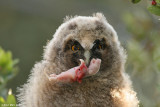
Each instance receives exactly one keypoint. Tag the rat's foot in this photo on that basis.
(52, 77)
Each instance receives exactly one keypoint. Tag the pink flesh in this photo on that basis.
(81, 72)
(94, 67)
(77, 73)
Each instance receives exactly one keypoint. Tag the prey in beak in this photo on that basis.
(77, 73)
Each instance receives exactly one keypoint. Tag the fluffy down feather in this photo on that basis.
(110, 87)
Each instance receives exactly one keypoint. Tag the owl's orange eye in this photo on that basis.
(74, 48)
(100, 47)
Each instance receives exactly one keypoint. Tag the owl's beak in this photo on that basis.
(87, 56)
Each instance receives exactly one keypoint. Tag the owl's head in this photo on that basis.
(85, 38)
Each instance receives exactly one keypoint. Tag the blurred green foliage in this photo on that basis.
(7, 66)
(8, 70)
(25, 26)
(154, 9)
(154, 6)
(135, 1)
(144, 57)
(10, 101)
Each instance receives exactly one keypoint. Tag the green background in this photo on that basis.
(26, 25)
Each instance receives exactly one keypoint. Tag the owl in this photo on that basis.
(82, 66)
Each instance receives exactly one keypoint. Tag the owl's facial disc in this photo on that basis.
(75, 51)
(95, 51)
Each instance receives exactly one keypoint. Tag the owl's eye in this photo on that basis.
(99, 46)
(74, 48)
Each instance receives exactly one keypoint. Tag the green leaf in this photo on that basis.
(154, 10)
(8, 68)
(158, 1)
(135, 1)
(2, 100)
(11, 99)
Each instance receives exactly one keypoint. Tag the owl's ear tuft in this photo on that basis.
(67, 18)
(99, 16)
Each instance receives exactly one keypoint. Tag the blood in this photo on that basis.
(80, 73)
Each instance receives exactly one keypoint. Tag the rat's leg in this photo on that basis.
(94, 67)
(67, 76)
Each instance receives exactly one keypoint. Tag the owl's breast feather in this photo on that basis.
(77, 73)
